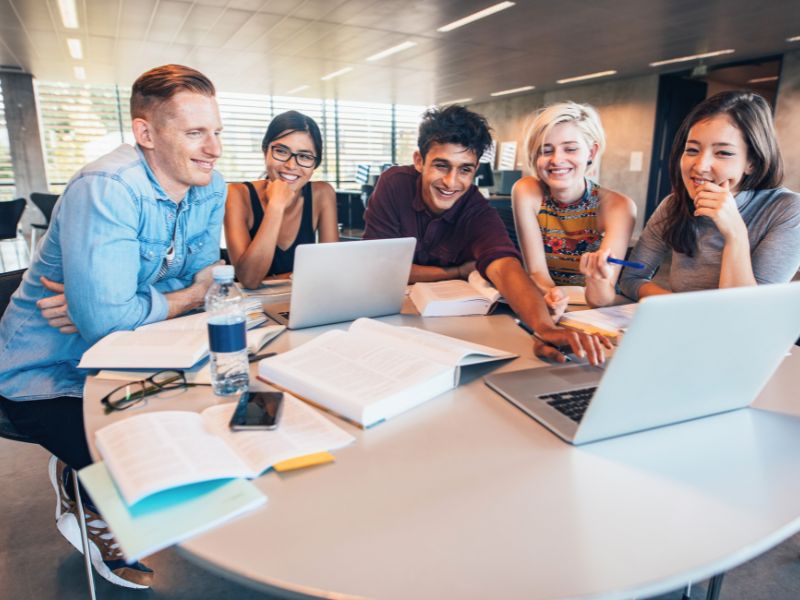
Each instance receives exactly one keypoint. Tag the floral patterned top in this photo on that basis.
(569, 230)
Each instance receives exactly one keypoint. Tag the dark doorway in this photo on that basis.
(677, 96)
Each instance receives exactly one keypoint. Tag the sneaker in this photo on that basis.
(58, 472)
(104, 551)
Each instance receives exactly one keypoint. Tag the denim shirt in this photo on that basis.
(108, 237)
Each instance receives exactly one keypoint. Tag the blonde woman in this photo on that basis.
(568, 226)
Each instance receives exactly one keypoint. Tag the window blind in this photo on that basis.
(7, 188)
(82, 122)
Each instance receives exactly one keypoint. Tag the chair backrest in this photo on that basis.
(9, 282)
(45, 203)
(10, 214)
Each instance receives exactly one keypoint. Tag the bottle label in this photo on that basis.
(227, 337)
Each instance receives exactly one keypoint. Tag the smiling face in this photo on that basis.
(448, 171)
(181, 141)
(297, 142)
(715, 151)
(563, 158)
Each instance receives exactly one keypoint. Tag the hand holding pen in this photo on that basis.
(597, 265)
(554, 342)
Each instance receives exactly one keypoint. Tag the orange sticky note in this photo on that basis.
(299, 462)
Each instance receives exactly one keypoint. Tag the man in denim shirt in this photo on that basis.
(133, 239)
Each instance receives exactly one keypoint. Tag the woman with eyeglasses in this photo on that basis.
(266, 220)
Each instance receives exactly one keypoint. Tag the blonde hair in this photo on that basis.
(585, 118)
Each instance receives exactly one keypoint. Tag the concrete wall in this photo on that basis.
(787, 118)
(627, 108)
(27, 154)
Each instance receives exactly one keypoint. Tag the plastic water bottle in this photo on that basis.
(227, 341)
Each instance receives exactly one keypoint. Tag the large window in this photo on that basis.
(7, 189)
(82, 122)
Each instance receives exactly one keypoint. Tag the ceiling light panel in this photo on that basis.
(336, 73)
(393, 50)
(481, 14)
(69, 13)
(692, 57)
(524, 88)
(75, 48)
(587, 76)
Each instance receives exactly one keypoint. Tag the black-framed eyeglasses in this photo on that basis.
(283, 154)
(133, 392)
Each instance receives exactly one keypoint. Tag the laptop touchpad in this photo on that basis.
(577, 374)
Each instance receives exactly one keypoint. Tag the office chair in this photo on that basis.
(45, 203)
(9, 282)
(10, 214)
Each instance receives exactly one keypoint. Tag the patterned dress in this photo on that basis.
(567, 232)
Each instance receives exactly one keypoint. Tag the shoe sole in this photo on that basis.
(52, 471)
(68, 526)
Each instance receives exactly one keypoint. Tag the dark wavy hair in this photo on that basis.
(752, 115)
(454, 124)
(290, 122)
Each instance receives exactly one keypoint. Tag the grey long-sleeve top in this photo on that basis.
(773, 226)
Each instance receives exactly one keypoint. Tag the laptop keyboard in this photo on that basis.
(572, 404)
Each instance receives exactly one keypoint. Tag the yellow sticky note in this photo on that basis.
(309, 460)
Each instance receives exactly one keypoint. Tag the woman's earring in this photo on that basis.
(589, 163)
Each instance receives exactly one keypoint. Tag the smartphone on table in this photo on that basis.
(257, 410)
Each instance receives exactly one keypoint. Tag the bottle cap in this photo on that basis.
(222, 273)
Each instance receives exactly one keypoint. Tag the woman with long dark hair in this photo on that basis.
(265, 220)
(728, 221)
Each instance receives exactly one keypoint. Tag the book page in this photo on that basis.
(609, 319)
(193, 322)
(483, 287)
(147, 349)
(441, 348)
(301, 431)
(159, 450)
(362, 368)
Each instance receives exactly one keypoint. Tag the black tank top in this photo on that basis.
(283, 260)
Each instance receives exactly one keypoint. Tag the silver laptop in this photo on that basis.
(346, 280)
(684, 356)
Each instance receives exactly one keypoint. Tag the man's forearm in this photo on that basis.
(185, 300)
(428, 273)
(522, 295)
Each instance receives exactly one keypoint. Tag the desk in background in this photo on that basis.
(467, 497)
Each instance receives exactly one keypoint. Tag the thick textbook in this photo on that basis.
(156, 451)
(453, 298)
(170, 516)
(374, 371)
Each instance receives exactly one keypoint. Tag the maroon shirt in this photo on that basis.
(469, 230)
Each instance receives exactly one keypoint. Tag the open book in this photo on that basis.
(155, 451)
(374, 371)
(171, 344)
(576, 294)
(611, 321)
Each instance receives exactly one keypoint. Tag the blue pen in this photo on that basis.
(626, 263)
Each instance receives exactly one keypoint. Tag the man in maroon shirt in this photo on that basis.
(457, 230)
